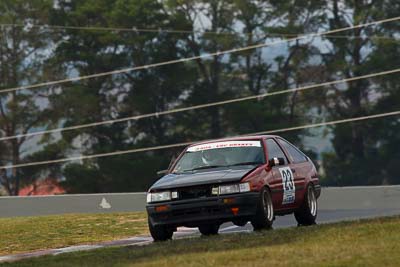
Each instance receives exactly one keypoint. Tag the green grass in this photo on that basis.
(26, 234)
(361, 243)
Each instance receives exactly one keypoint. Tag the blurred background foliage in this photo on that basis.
(361, 153)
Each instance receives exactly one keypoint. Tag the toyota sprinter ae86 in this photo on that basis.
(238, 180)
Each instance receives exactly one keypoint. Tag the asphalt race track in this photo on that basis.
(332, 198)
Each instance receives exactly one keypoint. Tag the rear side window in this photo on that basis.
(295, 155)
(274, 151)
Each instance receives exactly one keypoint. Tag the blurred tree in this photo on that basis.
(153, 90)
(359, 148)
(212, 23)
(22, 57)
(265, 70)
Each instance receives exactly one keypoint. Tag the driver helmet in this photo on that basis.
(207, 157)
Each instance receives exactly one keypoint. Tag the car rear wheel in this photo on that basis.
(160, 232)
(265, 212)
(209, 229)
(307, 214)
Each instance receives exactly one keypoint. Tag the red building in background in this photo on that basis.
(42, 187)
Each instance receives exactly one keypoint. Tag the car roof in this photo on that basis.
(247, 137)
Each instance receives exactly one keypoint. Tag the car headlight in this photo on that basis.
(231, 189)
(161, 196)
(158, 196)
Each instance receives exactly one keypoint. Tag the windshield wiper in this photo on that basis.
(206, 167)
(247, 163)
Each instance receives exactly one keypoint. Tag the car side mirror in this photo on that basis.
(161, 173)
(276, 162)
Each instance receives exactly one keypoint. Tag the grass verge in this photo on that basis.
(25, 234)
(374, 242)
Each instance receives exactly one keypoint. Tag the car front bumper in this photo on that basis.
(195, 212)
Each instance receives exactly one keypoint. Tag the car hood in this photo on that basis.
(211, 176)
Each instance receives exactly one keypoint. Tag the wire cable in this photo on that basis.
(207, 105)
(175, 61)
(116, 29)
(130, 151)
(175, 31)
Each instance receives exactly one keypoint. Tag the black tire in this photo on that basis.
(209, 229)
(307, 213)
(160, 232)
(265, 212)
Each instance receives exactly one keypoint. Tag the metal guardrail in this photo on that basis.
(332, 198)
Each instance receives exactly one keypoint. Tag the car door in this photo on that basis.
(298, 165)
(277, 184)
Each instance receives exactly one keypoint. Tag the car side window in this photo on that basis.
(274, 151)
(295, 155)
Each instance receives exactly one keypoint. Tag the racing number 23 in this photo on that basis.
(287, 177)
(289, 191)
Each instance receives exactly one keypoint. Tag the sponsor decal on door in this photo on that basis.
(289, 190)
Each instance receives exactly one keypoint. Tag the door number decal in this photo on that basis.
(289, 190)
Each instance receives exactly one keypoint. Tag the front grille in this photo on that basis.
(197, 211)
(194, 192)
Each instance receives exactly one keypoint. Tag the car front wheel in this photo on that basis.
(307, 213)
(265, 211)
(160, 232)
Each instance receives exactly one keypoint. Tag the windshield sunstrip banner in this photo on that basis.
(224, 144)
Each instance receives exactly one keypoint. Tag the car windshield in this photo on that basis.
(220, 154)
